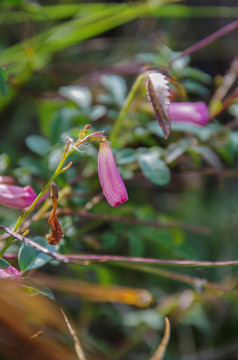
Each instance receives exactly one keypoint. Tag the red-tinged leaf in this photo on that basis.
(158, 92)
(168, 77)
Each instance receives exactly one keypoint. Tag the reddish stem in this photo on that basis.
(189, 263)
(206, 41)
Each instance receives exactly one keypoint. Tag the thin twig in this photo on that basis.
(159, 354)
(156, 224)
(37, 246)
(230, 99)
(197, 283)
(206, 41)
(88, 259)
(226, 84)
(180, 263)
(77, 345)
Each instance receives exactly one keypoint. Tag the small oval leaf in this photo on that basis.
(154, 168)
(4, 264)
(28, 258)
(38, 144)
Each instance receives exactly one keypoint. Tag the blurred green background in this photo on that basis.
(50, 49)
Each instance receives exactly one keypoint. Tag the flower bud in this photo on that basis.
(112, 184)
(196, 113)
(10, 273)
(16, 197)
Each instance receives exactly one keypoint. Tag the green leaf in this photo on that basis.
(38, 144)
(4, 264)
(202, 132)
(34, 287)
(22, 175)
(208, 155)
(154, 128)
(29, 163)
(233, 109)
(3, 79)
(136, 245)
(197, 74)
(194, 87)
(4, 162)
(154, 168)
(166, 238)
(109, 240)
(29, 258)
(61, 122)
(80, 95)
(72, 32)
(116, 86)
(97, 112)
(125, 156)
(175, 150)
(183, 11)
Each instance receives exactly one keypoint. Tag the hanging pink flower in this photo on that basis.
(112, 184)
(16, 197)
(10, 273)
(196, 113)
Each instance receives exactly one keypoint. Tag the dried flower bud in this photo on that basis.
(112, 184)
(56, 229)
(57, 233)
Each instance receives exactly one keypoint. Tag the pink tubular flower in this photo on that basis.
(112, 184)
(16, 197)
(10, 273)
(196, 113)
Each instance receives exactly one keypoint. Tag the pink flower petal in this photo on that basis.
(10, 273)
(112, 184)
(16, 197)
(196, 113)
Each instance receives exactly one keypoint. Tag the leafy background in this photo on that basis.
(72, 63)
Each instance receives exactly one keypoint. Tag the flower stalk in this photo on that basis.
(124, 110)
(59, 170)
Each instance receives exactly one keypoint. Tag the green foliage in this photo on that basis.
(65, 65)
(38, 144)
(4, 264)
(3, 79)
(35, 287)
(153, 167)
(29, 258)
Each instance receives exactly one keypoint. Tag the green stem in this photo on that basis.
(24, 214)
(124, 111)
